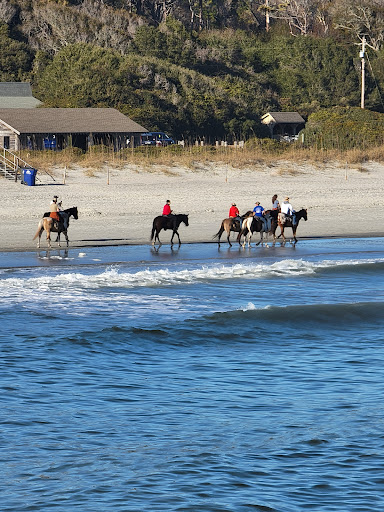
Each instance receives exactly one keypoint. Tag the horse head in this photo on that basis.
(304, 214)
(184, 218)
(73, 211)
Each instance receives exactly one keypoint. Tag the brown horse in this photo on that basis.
(254, 225)
(302, 214)
(50, 225)
(168, 222)
(228, 225)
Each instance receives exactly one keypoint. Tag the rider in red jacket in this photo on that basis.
(167, 208)
(234, 211)
(235, 214)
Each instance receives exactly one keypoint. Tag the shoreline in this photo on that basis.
(224, 243)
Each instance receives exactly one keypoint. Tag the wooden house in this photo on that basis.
(58, 128)
(283, 125)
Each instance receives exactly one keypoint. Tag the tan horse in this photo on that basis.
(49, 225)
(302, 214)
(228, 225)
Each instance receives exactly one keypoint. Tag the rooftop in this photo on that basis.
(68, 120)
(15, 89)
(284, 117)
(17, 95)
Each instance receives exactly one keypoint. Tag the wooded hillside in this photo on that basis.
(195, 68)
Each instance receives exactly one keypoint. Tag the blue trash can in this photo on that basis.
(30, 176)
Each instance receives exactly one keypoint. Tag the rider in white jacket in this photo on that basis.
(287, 208)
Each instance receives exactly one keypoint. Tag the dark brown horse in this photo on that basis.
(255, 225)
(231, 224)
(302, 214)
(51, 225)
(168, 222)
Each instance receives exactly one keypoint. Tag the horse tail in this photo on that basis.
(153, 230)
(220, 232)
(38, 229)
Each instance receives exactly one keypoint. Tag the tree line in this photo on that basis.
(195, 68)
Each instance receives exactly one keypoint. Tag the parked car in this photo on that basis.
(156, 139)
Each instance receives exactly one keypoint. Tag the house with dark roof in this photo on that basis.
(58, 128)
(283, 125)
(17, 95)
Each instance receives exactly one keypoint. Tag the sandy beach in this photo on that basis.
(117, 205)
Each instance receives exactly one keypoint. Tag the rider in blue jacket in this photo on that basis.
(258, 212)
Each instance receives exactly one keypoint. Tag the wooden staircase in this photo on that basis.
(12, 166)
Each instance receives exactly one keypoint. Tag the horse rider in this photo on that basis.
(287, 209)
(167, 209)
(259, 213)
(54, 209)
(235, 214)
(275, 207)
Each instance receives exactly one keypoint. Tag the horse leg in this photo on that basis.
(157, 236)
(49, 237)
(245, 238)
(39, 239)
(228, 235)
(221, 231)
(66, 237)
(294, 234)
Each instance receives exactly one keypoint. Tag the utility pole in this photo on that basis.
(362, 57)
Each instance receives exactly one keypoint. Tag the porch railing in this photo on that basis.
(12, 166)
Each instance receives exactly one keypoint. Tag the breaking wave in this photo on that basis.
(115, 277)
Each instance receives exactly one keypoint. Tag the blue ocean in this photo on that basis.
(193, 379)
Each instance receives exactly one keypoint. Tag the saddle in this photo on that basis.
(260, 223)
(283, 217)
(235, 224)
(169, 222)
(58, 225)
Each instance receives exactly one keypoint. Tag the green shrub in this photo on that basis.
(344, 128)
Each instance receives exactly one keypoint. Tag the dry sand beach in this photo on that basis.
(341, 200)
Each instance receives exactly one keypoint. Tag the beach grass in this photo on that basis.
(193, 157)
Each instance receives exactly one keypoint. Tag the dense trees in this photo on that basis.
(344, 128)
(15, 57)
(156, 93)
(201, 68)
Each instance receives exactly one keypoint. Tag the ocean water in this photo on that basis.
(195, 379)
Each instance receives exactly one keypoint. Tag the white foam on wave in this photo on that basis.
(249, 307)
(252, 307)
(113, 277)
